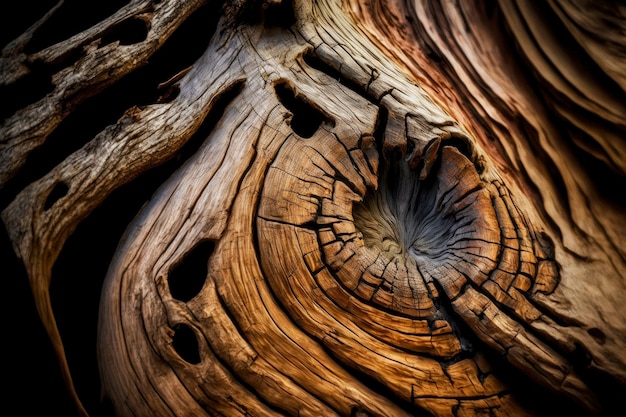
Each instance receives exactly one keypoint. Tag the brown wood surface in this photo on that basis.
(364, 208)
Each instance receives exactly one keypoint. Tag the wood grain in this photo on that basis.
(399, 211)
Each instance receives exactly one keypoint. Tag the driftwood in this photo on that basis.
(369, 208)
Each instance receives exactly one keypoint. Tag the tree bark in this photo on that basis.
(368, 208)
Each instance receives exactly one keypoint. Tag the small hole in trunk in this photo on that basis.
(307, 118)
(186, 279)
(185, 344)
(58, 192)
(128, 32)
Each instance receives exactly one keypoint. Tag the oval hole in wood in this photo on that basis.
(128, 32)
(186, 278)
(598, 335)
(185, 344)
(58, 192)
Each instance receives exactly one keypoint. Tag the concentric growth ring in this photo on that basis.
(401, 261)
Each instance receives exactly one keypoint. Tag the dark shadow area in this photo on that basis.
(79, 272)
(280, 14)
(34, 386)
(23, 15)
(27, 90)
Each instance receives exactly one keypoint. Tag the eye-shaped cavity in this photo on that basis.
(185, 344)
(128, 32)
(58, 192)
(186, 278)
(306, 117)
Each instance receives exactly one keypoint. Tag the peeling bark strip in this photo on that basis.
(380, 222)
(97, 65)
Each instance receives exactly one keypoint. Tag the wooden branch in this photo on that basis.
(95, 67)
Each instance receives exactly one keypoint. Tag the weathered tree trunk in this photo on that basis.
(368, 208)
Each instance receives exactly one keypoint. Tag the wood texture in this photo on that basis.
(394, 208)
